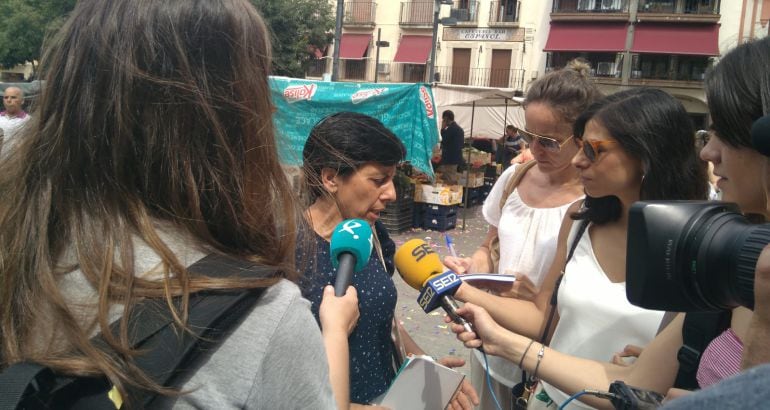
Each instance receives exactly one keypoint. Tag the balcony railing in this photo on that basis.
(466, 12)
(416, 13)
(590, 6)
(316, 68)
(483, 77)
(504, 12)
(360, 13)
(679, 6)
(646, 69)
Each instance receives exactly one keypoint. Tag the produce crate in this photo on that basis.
(397, 216)
(440, 223)
(418, 215)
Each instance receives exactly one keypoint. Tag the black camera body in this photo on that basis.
(688, 256)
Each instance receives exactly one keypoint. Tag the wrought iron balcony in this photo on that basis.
(466, 12)
(416, 13)
(704, 7)
(483, 77)
(505, 12)
(360, 13)
(590, 6)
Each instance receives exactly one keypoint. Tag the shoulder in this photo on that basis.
(744, 391)
(276, 341)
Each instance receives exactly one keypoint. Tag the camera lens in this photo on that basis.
(692, 256)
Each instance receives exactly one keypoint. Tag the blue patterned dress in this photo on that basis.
(371, 348)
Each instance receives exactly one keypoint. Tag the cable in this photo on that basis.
(573, 397)
(489, 382)
(597, 393)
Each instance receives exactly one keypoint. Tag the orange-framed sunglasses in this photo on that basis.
(548, 143)
(591, 148)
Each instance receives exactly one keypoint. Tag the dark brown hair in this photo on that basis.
(155, 113)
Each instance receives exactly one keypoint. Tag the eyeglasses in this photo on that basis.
(702, 138)
(548, 143)
(591, 148)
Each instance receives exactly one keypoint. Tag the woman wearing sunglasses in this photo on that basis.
(633, 145)
(526, 219)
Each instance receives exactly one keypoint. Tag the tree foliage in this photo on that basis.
(297, 26)
(25, 25)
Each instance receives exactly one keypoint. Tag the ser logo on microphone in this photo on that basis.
(426, 296)
(422, 251)
(444, 281)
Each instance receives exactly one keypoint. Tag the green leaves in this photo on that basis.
(25, 25)
(297, 28)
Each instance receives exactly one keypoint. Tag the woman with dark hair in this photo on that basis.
(153, 147)
(524, 217)
(634, 145)
(349, 163)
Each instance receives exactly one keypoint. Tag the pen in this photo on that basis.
(450, 245)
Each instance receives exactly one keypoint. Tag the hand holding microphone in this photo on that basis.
(421, 268)
(351, 247)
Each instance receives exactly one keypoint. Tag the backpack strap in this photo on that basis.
(698, 330)
(168, 351)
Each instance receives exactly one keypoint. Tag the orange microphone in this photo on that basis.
(420, 267)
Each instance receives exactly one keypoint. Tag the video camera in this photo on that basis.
(688, 256)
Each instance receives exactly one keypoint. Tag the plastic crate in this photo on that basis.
(440, 223)
(418, 213)
(439, 210)
(396, 227)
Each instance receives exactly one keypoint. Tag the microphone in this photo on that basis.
(420, 267)
(351, 246)
(760, 135)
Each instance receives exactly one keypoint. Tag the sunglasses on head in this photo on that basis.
(548, 143)
(591, 148)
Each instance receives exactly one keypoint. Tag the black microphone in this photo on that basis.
(351, 247)
(760, 135)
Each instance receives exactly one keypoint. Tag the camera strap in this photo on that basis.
(698, 330)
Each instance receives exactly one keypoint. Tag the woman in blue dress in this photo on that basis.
(350, 160)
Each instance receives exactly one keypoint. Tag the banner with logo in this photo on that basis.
(406, 109)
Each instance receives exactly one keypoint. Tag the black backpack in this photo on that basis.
(171, 353)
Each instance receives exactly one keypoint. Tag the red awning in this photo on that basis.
(353, 46)
(413, 49)
(597, 37)
(688, 39)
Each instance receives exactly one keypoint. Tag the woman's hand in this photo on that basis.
(458, 264)
(487, 332)
(466, 397)
(522, 288)
(339, 313)
(628, 356)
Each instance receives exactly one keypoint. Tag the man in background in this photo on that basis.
(509, 146)
(12, 118)
(452, 138)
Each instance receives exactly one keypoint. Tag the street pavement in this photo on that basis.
(429, 330)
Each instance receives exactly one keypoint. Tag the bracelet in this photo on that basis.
(523, 355)
(540, 355)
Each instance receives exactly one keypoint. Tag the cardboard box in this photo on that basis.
(439, 194)
(476, 179)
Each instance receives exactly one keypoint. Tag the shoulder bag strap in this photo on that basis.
(554, 297)
(510, 186)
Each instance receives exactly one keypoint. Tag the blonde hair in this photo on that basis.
(569, 91)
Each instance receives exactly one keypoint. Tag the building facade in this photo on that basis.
(667, 44)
